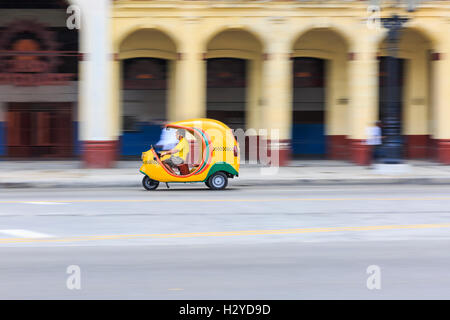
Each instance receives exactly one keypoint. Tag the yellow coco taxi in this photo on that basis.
(213, 156)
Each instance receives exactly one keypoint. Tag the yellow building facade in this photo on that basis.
(306, 76)
(269, 35)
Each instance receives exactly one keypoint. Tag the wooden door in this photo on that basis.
(39, 130)
(18, 133)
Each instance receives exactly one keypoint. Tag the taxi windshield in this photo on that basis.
(168, 139)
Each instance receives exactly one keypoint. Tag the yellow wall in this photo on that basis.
(268, 34)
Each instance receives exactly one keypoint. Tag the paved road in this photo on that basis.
(243, 243)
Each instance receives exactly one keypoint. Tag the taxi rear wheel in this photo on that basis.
(149, 184)
(218, 181)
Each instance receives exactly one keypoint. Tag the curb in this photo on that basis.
(236, 183)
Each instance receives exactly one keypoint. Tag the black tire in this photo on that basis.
(149, 184)
(218, 181)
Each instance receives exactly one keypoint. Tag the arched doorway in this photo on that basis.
(233, 78)
(412, 90)
(226, 91)
(147, 70)
(308, 135)
(320, 95)
(38, 81)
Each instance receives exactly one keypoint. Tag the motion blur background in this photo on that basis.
(312, 69)
(88, 83)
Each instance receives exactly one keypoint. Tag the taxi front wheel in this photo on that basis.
(217, 181)
(149, 184)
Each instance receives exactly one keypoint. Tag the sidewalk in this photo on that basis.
(69, 174)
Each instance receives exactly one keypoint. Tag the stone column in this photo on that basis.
(415, 106)
(253, 92)
(363, 88)
(190, 75)
(441, 101)
(96, 113)
(337, 109)
(277, 98)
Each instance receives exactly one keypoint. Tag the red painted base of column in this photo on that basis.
(283, 147)
(285, 154)
(417, 146)
(338, 147)
(443, 150)
(360, 152)
(432, 150)
(100, 154)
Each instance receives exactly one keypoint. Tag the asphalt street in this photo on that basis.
(188, 242)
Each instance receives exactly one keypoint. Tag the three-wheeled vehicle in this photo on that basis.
(212, 159)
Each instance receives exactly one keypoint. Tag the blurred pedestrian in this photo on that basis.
(374, 140)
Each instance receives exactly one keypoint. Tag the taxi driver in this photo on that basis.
(179, 153)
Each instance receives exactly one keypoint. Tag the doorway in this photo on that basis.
(226, 91)
(397, 91)
(308, 129)
(39, 130)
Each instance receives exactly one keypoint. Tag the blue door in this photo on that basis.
(144, 103)
(134, 143)
(308, 129)
(308, 139)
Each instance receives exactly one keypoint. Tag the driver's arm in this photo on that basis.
(174, 150)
